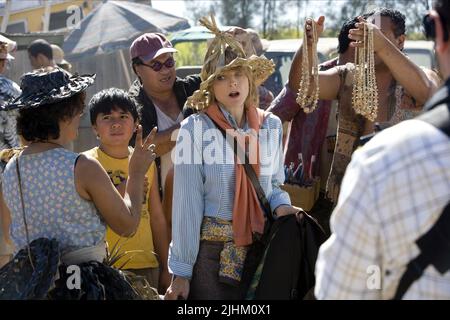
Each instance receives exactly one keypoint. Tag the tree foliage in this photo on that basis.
(413, 10)
(196, 9)
(269, 17)
(239, 12)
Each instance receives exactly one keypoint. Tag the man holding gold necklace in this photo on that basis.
(401, 86)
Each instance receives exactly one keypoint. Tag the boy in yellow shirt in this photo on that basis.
(114, 119)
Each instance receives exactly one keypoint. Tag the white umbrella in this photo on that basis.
(114, 25)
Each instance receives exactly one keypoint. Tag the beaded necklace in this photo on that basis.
(309, 102)
(365, 91)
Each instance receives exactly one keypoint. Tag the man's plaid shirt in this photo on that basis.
(394, 190)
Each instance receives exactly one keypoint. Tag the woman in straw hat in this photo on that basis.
(59, 202)
(216, 213)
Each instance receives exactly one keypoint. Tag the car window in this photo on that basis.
(283, 61)
(421, 57)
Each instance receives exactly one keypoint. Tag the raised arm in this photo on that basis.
(415, 80)
(328, 80)
(93, 183)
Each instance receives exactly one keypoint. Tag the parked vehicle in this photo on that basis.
(282, 52)
(421, 52)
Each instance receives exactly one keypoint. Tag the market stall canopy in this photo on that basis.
(114, 25)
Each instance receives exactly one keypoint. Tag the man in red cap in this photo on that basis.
(160, 94)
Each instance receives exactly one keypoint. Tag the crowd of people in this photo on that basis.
(188, 171)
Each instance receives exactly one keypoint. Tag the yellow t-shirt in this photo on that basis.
(117, 170)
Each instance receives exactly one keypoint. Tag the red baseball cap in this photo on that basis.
(149, 46)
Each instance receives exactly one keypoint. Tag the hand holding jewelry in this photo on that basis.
(310, 38)
(365, 91)
(357, 34)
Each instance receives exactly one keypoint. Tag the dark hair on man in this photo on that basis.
(40, 124)
(344, 40)
(40, 46)
(107, 100)
(443, 8)
(135, 62)
(397, 19)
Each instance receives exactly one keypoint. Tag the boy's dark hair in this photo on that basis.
(40, 46)
(109, 99)
(40, 124)
(397, 19)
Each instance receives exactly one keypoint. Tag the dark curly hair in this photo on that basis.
(42, 123)
(397, 19)
(109, 99)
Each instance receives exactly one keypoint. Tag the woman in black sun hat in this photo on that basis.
(59, 202)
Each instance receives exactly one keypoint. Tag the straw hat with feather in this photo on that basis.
(223, 48)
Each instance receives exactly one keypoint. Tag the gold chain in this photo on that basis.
(309, 102)
(365, 91)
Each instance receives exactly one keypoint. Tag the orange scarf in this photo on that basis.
(248, 217)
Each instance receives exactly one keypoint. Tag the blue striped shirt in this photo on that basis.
(204, 183)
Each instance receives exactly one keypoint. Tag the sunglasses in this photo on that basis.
(430, 27)
(157, 66)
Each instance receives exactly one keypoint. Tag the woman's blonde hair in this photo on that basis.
(252, 97)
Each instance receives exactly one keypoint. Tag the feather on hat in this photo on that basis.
(215, 63)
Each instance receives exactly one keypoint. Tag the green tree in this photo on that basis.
(239, 12)
(413, 10)
(272, 16)
(196, 9)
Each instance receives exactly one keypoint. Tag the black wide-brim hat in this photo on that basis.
(47, 86)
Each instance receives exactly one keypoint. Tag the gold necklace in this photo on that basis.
(365, 91)
(309, 102)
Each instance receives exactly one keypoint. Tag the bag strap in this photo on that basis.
(438, 111)
(23, 210)
(251, 174)
(435, 244)
(434, 247)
